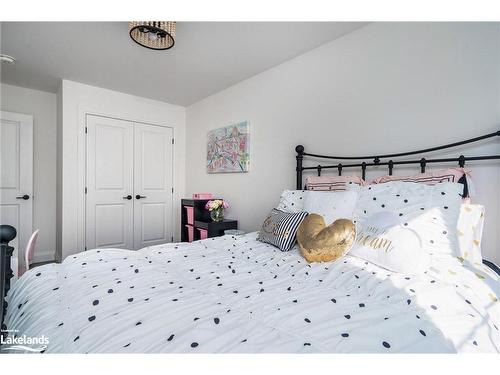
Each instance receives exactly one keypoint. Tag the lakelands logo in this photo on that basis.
(23, 343)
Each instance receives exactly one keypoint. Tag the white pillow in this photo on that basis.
(331, 205)
(383, 240)
(470, 232)
(291, 201)
(432, 211)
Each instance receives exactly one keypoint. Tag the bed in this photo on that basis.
(235, 294)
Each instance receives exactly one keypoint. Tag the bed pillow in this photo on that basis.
(383, 239)
(458, 175)
(280, 228)
(291, 201)
(320, 243)
(332, 183)
(331, 206)
(470, 232)
(431, 211)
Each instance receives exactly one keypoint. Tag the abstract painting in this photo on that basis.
(228, 149)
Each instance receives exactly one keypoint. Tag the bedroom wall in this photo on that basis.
(59, 148)
(385, 87)
(78, 98)
(42, 106)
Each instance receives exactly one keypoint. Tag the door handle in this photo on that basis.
(25, 197)
(128, 197)
(140, 196)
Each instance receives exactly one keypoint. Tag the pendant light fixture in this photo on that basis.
(159, 35)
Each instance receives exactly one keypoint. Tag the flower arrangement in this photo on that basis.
(216, 208)
(216, 204)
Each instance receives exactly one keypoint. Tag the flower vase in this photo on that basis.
(217, 215)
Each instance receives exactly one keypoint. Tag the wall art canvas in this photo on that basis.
(228, 149)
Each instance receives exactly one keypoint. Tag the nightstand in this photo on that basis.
(196, 223)
(216, 229)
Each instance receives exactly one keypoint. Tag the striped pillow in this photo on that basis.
(280, 228)
(332, 183)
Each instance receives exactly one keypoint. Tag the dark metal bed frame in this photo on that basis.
(379, 160)
(7, 234)
(390, 160)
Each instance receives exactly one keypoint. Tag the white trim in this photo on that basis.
(26, 181)
(79, 99)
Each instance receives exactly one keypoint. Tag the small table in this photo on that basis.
(216, 229)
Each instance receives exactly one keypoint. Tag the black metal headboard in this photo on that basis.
(389, 160)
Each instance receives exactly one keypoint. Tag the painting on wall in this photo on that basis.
(228, 149)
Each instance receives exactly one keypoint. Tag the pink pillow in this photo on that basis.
(332, 183)
(457, 175)
(428, 178)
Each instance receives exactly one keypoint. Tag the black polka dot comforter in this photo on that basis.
(235, 294)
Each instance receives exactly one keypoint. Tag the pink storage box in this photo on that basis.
(190, 214)
(203, 195)
(203, 233)
(190, 232)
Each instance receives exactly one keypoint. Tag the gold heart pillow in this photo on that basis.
(321, 243)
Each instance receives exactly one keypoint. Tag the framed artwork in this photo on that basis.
(228, 149)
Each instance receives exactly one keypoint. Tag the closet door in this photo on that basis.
(153, 183)
(110, 183)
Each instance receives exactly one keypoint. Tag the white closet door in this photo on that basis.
(16, 178)
(153, 185)
(110, 183)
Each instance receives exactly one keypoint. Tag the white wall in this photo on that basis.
(386, 87)
(42, 106)
(59, 150)
(78, 99)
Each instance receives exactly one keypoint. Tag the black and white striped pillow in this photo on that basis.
(280, 228)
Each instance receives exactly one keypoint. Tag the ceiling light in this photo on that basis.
(153, 34)
(7, 59)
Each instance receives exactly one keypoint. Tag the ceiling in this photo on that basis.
(207, 57)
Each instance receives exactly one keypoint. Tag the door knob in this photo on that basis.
(140, 196)
(25, 197)
(128, 197)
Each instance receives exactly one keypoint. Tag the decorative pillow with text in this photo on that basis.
(382, 239)
(280, 228)
(431, 211)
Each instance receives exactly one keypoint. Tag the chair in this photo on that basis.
(29, 252)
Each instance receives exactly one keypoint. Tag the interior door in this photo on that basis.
(110, 183)
(16, 178)
(153, 185)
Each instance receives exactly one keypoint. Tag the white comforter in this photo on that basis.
(239, 295)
